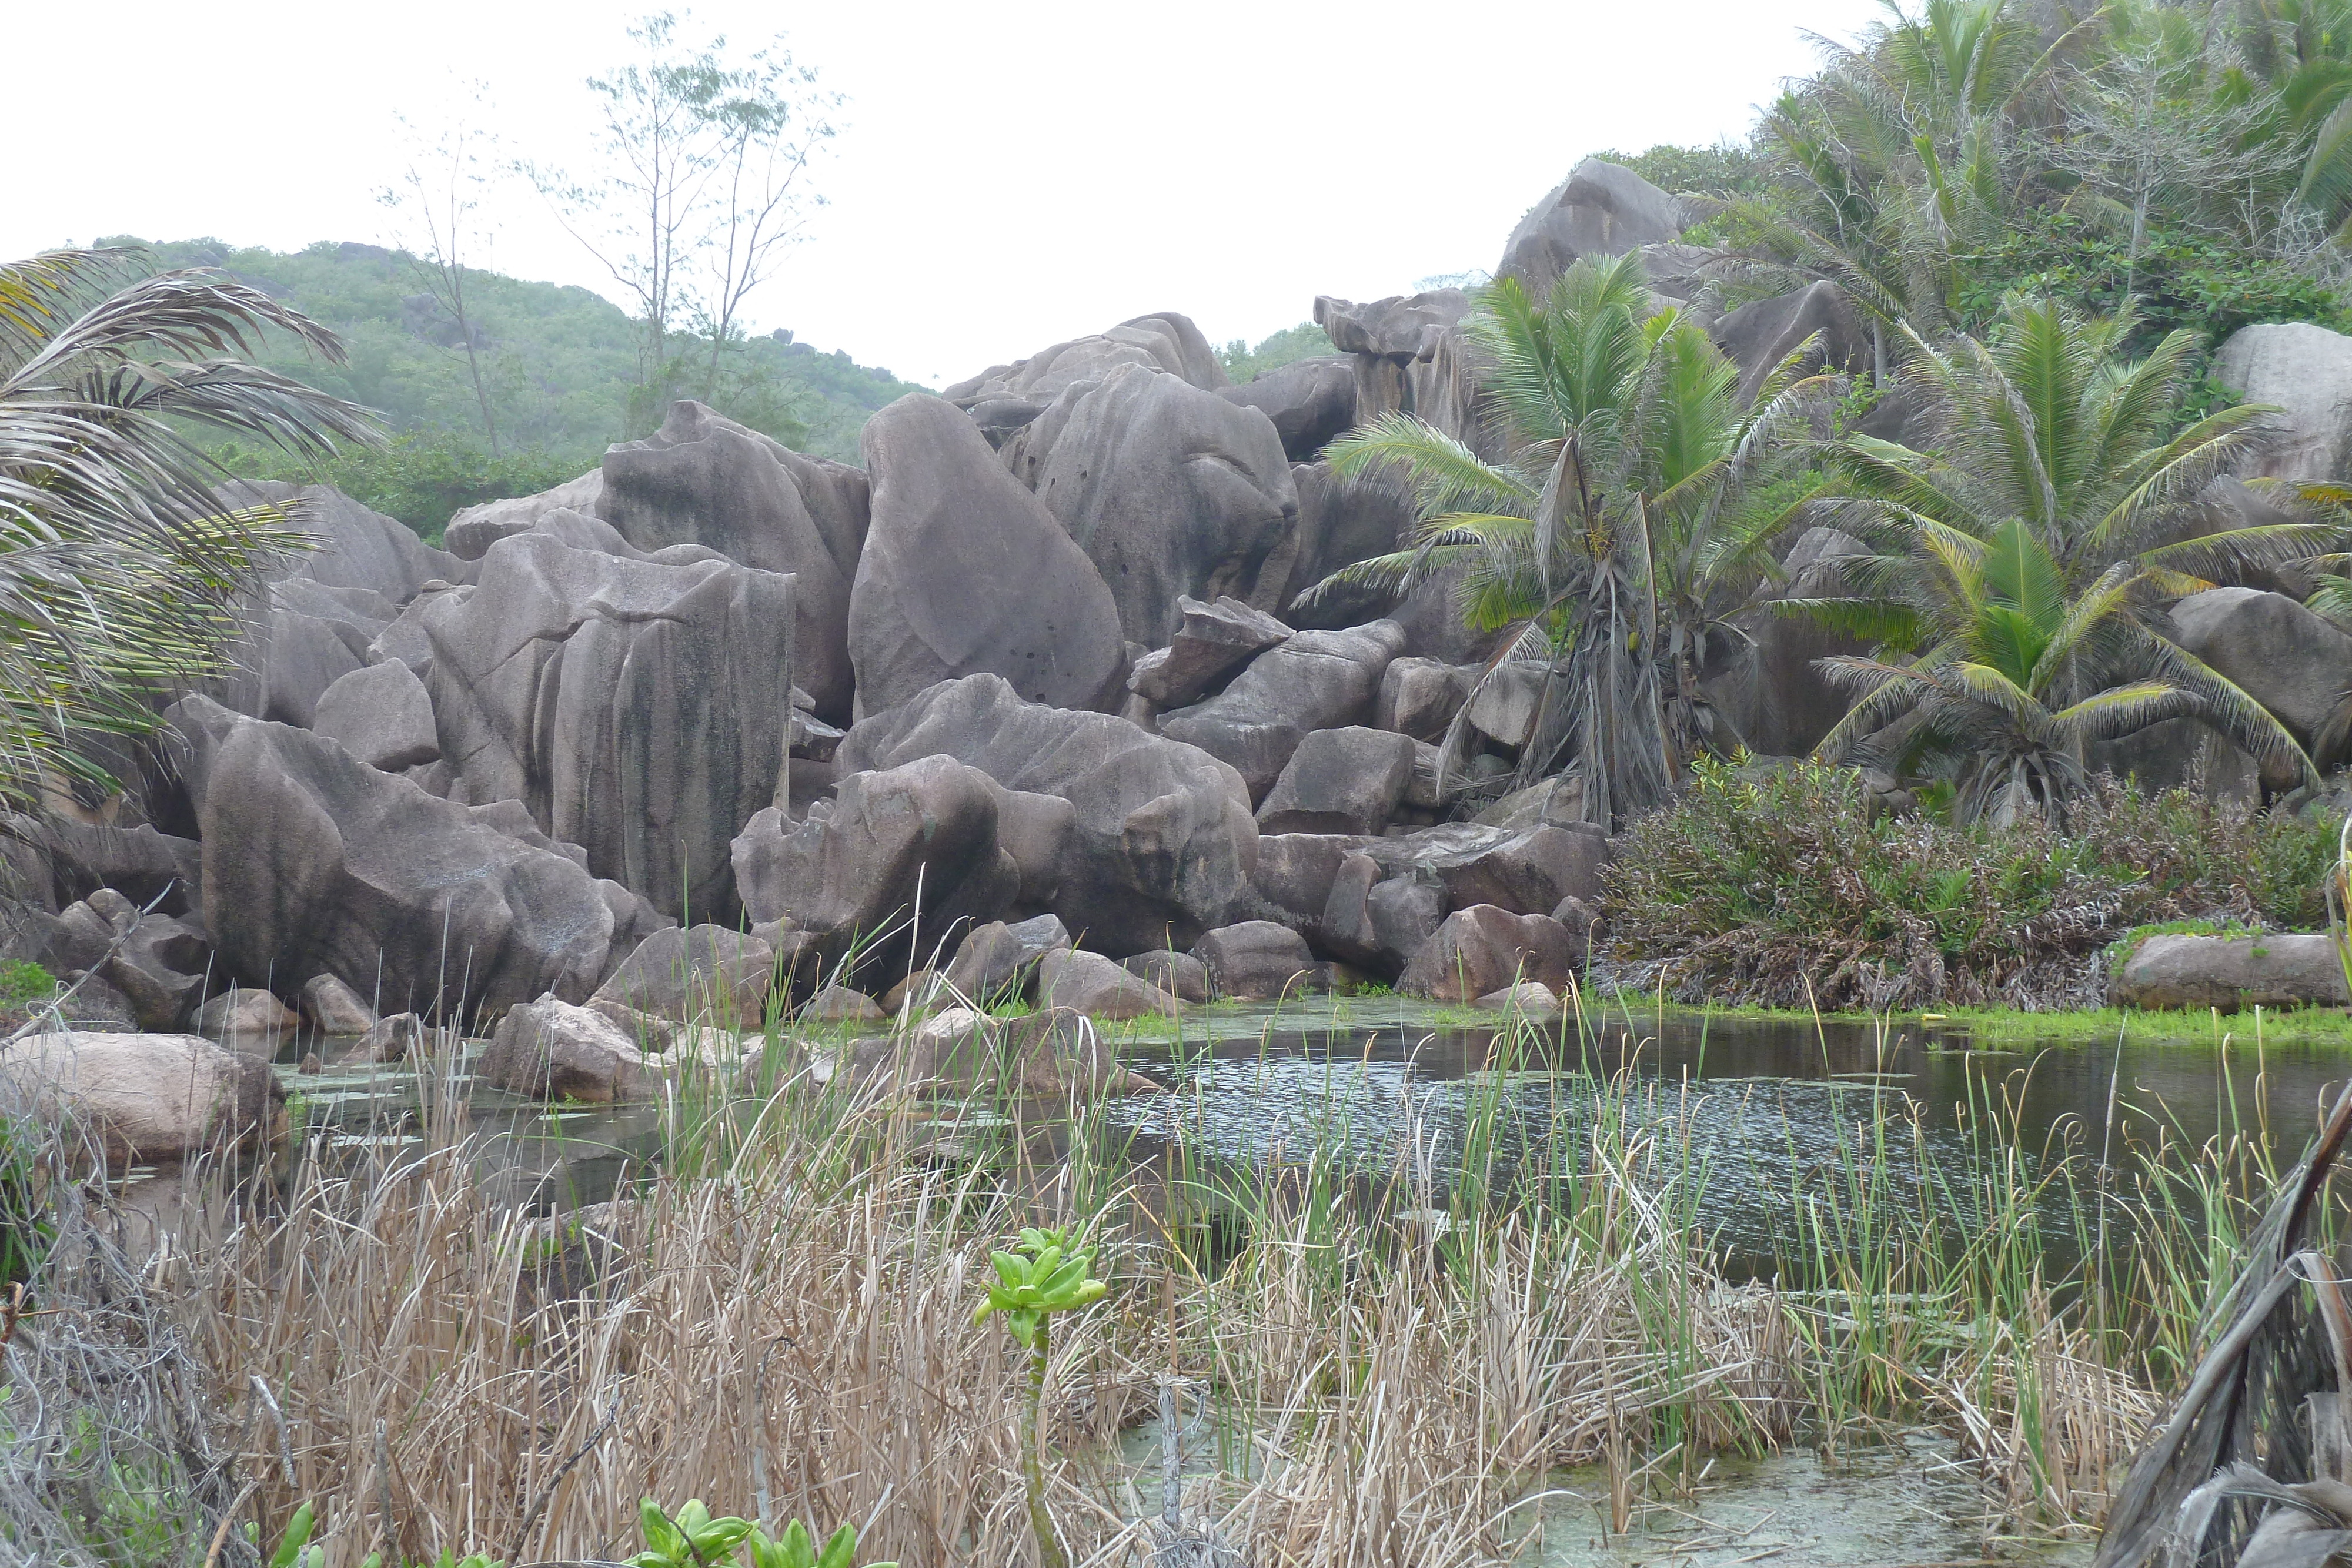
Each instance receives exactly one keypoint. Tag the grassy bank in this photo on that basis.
(1396, 1357)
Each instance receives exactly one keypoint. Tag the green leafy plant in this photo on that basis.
(1046, 1272)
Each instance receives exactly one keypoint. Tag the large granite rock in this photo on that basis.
(1316, 680)
(704, 479)
(1167, 341)
(1212, 641)
(1310, 401)
(1169, 490)
(965, 573)
(2284, 656)
(315, 862)
(1818, 319)
(1345, 781)
(853, 872)
(1160, 841)
(2230, 973)
(2307, 371)
(474, 530)
(1481, 950)
(382, 716)
(708, 974)
(1600, 210)
(551, 1050)
(638, 707)
(145, 1099)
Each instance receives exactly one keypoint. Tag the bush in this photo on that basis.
(1749, 886)
(421, 478)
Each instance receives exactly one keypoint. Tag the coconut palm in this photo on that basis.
(2022, 560)
(1623, 526)
(119, 569)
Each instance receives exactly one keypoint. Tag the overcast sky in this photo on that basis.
(1006, 176)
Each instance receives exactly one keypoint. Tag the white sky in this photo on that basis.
(1007, 175)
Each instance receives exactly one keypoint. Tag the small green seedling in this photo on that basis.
(692, 1540)
(1049, 1273)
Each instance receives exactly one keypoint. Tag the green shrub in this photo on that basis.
(1749, 886)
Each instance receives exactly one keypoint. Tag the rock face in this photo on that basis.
(710, 972)
(550, 1049)
(1347, 781)
(381, 715)
(704, 479)
(1760, 336)
(1600, 209)
(146, 1098)
(965, 573)
(1091, 983)
(1316, 680)
(1256, 960)
(638, 708)
(2230, 973)
(1167, 341)
(2281, 654)
(315, 862)
(853, 872)
(1212, 641)
(2307, 370)
(1169, 489)
(474, 530)
(1482, 949)
(1310, 401)
(1160, 841)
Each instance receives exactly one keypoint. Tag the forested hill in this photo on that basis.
(559, 362)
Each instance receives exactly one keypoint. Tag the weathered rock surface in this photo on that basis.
(1211, 642)
(474, 530)
(704, 479)
(1482, 949)
(854, 870)
(1160, 839)
(1316, 680)
(709, 973)
(335, 1008)
(2307, 371)
(1091, 983)
(239, 1012)
(1818, 319)
(1180, 975)
(315, 862)
(1345, 781)
(2284, 656)
(638, 708)
(1169, 490)
(2230, 973)
(551, 1050)
(1310, 401)
(147, 1099)
(1167, 341)
(1256, 960)
(965, 571)
(382, 715)
(1600, 210)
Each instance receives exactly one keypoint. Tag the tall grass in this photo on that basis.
(1400, 1355)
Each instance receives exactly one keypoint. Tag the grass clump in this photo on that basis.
(1746, 888)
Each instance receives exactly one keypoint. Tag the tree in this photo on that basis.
(119, 569)
(2024, 560)
(1614, 541)
(703, 185)
(438, 195)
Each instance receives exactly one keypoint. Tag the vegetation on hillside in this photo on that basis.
(558, 363)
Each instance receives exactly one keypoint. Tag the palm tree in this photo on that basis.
(2023, 562)
(119, 569)
(1626, 524)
